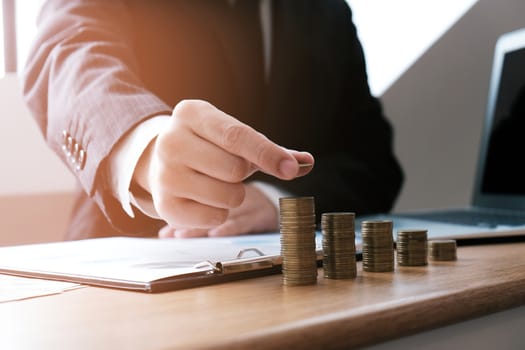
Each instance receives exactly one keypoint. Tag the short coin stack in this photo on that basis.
(411, 247)
(442, 250)
(378, 245)
(297, 226)
(338, 245)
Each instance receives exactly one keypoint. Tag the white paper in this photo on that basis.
(134, 263)
(132, 259)
(17, 288)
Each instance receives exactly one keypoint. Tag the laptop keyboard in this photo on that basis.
(471, 217)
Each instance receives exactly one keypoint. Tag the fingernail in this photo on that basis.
(288, 168)
(305, 165)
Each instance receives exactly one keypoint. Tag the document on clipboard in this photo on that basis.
(148, 264)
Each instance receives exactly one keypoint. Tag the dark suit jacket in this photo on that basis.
(100, 67)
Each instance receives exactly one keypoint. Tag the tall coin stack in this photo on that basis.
(297, 226)
(442, 250)
(411, 247)
(338, 245)
(378, 245)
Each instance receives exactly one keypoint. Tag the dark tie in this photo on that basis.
(249, 58)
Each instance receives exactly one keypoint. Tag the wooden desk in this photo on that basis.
(261, 313)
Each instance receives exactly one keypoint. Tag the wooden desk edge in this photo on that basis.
(351, 329)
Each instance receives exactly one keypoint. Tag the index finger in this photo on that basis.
(240, 139)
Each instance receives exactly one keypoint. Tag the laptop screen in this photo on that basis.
(500, 181)
(504, 171)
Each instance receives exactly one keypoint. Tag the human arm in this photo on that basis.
(83, 78)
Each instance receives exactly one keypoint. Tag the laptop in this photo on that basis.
(498, 202)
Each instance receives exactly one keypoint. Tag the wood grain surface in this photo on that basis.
(260, 313)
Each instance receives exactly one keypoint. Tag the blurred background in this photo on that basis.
(428, 61)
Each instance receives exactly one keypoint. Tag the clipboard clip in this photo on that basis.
(243, 252)
(242, 263)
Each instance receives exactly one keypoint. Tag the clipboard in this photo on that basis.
(148, 264)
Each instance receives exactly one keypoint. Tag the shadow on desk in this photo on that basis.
(34, 218)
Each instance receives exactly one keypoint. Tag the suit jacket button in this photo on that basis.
(81, 161)
(65, 135)
(69, 145)
(76, 150)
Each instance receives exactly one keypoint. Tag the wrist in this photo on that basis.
(142, 170)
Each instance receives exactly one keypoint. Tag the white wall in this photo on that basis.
(438, 105)
(394, 34)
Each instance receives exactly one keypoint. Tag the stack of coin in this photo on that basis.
(298, 250)
(338, 245)
(442, 250)
(378, 245)
(411, 247)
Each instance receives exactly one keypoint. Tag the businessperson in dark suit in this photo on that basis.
(191, 118)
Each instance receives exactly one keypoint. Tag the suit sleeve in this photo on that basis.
(81, 82)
